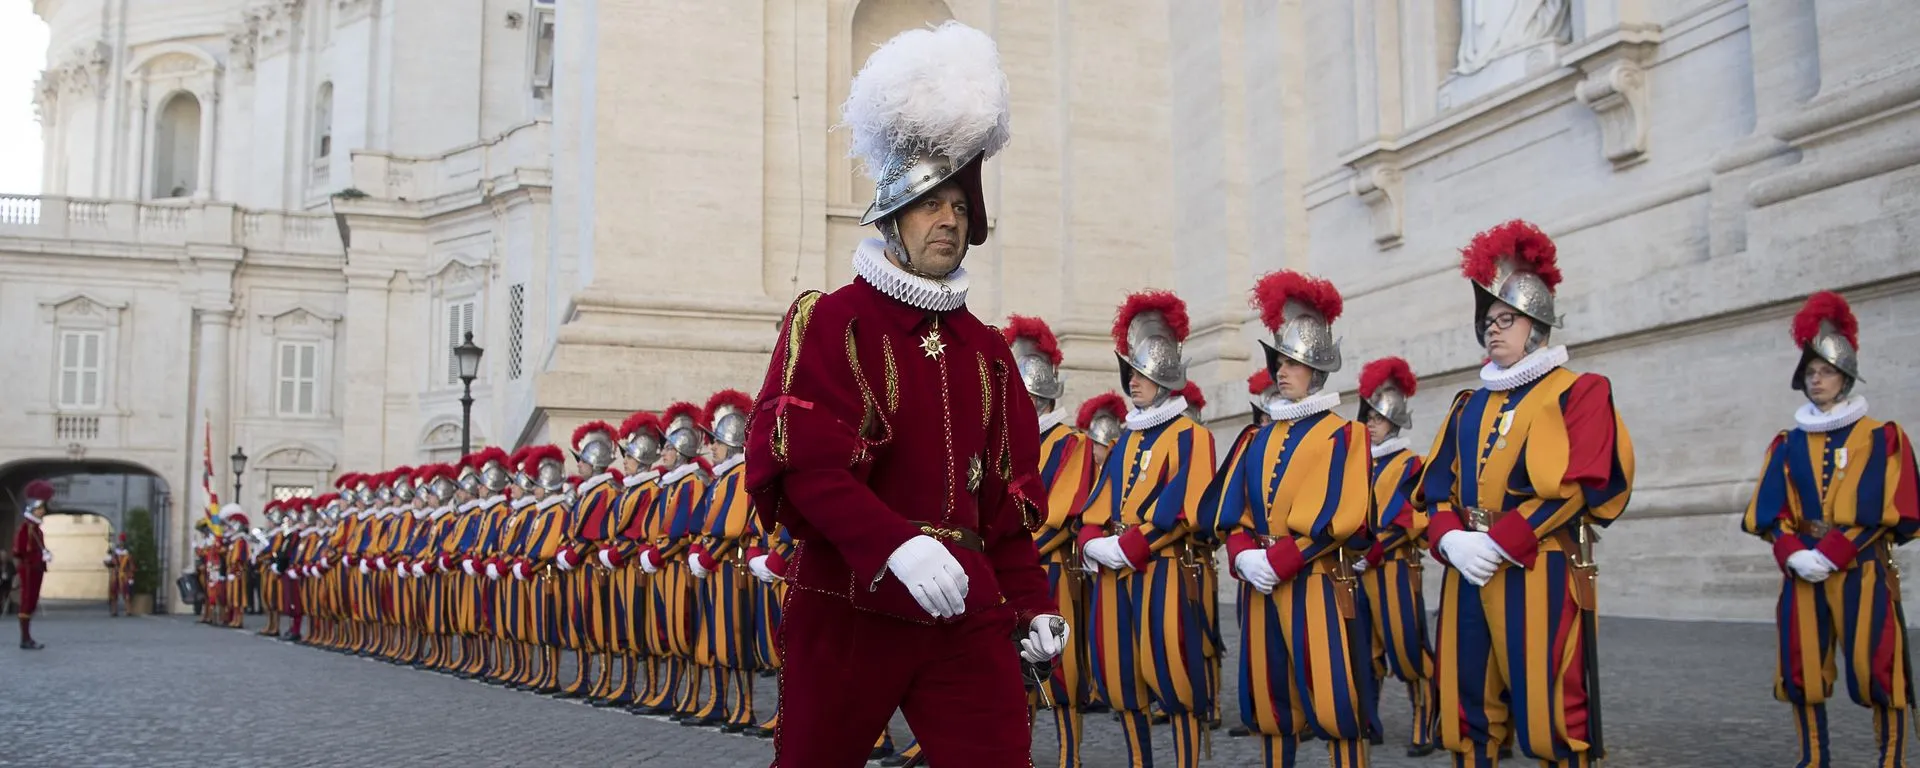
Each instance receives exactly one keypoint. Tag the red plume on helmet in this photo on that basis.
(679, 409)
(491, 453)
(530, 461)
(1272, 293)
(346, 480)
(430, 472)
(726, 397)
(1195, 398)
(1828, 306)
(1168, 305)
(1019, 326)
(1259, 382)
(40, 490)
(1384, 370)
(399, 473)
(638, 421)
(518, 459)
(1102, 402)
(590, 428)
(1517, 240)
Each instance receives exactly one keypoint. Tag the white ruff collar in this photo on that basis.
(594, 481)
(35, 519)
(679, 473)
(549, 501)
(871, 263)
(1390, 446)
(1155, 415)
(1052, 419)
(363, 514)
(730, 462)
(1536, 364)
(421, 513)
(441, 511)
(521, 503)
(1812, 419)
(494, 499)
(467, 505)
(636, 479)
(1282, 409)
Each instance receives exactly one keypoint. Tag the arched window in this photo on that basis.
(323, 122)
(176, 147)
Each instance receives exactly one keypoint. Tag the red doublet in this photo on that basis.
(876, 418)
(29, 554)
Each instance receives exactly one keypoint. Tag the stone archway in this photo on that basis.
(92, 501)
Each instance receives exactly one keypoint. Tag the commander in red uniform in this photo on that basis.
(31, 553)
(894, 440)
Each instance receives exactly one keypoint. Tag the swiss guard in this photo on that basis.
(1524, 468)
(1299, 490)
(1390, 572)
(1066, 471)
(1101, 418)
(1836, 494)
(899, 450)
(717, 559)
(589, 589)
(31, 557)
(1147, 620)
(641, 438)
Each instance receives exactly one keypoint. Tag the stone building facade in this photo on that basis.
(620, 198)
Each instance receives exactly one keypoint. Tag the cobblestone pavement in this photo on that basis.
(168, 692)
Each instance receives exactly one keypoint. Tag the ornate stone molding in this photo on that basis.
(80, 308)
(82, 72)
(1378, 184)
(276, 21)
(297, 320)
(242, 44)
(1615, 86)
(352, 10)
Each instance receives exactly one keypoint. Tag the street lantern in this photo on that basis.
(239, 459)
(467, 354)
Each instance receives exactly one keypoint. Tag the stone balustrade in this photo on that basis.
(80, 222)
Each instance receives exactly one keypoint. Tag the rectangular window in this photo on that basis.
(81, 364)
(516, 327)
(459, 324)
(542, 54)
(284, 492)
(299, 378)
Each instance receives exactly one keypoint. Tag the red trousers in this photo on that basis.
(847, 670)
(290, 596)
(30, 592)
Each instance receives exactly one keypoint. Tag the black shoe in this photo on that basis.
(1376, 739)
(1096, 708)
(29, 645)
(1506, 753)
(759, 732)
(1239, 731)
(1421, 750)
(735, 727)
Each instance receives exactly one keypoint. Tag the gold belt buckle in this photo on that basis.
(1818, 528)
(1479, 519)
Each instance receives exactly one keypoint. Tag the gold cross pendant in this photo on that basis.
(932, 345)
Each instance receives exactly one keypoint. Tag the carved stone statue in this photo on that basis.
(1491, 29)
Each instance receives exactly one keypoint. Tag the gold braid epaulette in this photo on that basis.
(797, 317)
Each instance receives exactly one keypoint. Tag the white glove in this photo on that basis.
(565, 560)
(46, 556)
(1045, 639)
(699, 571)
(364, 568)
(932, 576)
(274, 566)
(323, 561)
(420, 570)
(1473, 553)
(1360, 565)
(493, 571)
(293, 574)
(606, 558)
(1256, 571)
(1810, 565)
(520, 571)
(467, 565)
(758, 564)
(1107, 553)
(647, 564)
(380, 562)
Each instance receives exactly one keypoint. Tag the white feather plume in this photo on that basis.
(938, 89)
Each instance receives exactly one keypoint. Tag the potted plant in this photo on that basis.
(146, 559)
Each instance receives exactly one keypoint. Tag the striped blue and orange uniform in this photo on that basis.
(548, 531)
(1300, 492)
(777, 545)
(1528, 466)
(1147, 624)
(1391, 586)
(1849, 494)
(1066, 470)
(724, 641)
(589, 586)
(630, 584)
(676, 515)
(440, 614)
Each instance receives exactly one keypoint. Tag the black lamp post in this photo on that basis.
(239, 459)
(467, 354)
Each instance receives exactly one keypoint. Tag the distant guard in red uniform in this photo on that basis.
(893, 440)
(31, 556)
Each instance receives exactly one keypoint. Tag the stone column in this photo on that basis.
(209, 422)
(1786, 56)
(363, 362)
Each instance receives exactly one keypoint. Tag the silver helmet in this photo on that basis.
(641, 438)
(548, 468)
(593, 445)
(1826, 329)
(403, 485)
(1516, 264)
(683, 429)
(1387, 387)
(1101, 418)
(726, 417)
(467, 477)
(1148, 334)
(1299, 311)
(39, 493)
(494, 472)
(1037, 355)
(928, 106)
